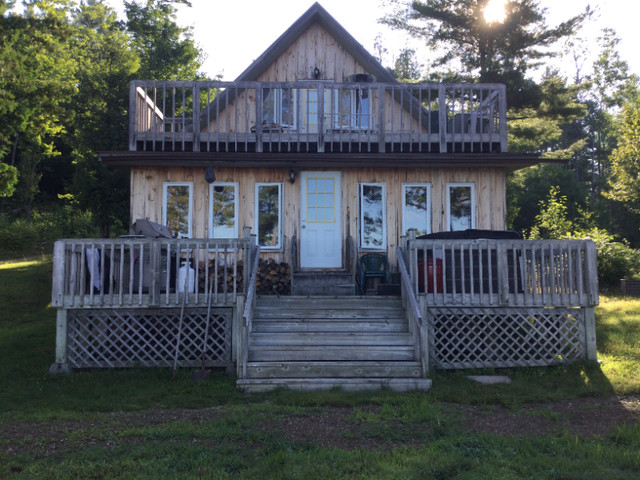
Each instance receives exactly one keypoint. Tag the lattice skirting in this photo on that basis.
(147, 338)
(500, 337)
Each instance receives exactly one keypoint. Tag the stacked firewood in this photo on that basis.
(224, 274)
(273, 278)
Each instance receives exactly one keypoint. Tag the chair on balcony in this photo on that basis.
(373, 265)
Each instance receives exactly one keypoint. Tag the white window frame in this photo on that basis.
(165, 188)
(277, 107)
(425, 185)
(472, 186)
(277, 247)
(382, 247)
(235, 208)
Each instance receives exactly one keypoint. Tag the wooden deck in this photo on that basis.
(225, 117)
(464, 304)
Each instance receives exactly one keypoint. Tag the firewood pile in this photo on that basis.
(273, 278)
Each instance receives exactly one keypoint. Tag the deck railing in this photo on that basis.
(317, 116)
(143, 272)
(505, 273)
(417, 324)
(250, 304)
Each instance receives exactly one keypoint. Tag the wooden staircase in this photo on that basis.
(320, 343)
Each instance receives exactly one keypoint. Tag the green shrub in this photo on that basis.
(616, 259)
(21, 237)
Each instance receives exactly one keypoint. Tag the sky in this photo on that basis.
(234, 33)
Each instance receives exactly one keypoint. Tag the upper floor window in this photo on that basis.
(461, 206)
(177, 208)
(416, 207)
(268, 215)
(223, 210)
(373, 228)
(279, 107)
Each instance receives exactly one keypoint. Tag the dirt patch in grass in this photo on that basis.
(331, 426)
(583, 417)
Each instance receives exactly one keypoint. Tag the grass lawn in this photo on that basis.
(566, 422)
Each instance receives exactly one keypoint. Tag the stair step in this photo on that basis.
(288, 353)
(343, 314)
(333, 369)
(331, 325)
(324, 302)
(346, 384)
(329, 339)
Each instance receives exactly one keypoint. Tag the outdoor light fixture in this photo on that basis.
(210, 175)
(292, 176)
(316, 73)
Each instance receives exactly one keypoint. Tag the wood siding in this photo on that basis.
(314, 48)
(147, 183)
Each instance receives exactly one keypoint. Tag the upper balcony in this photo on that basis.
(317, 116)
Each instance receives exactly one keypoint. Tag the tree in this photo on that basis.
(488, 52)
(625, 180)
(107, 64)
(36, 80)
(406, 67)
(8, 179)
(166, 50)
(527, 188)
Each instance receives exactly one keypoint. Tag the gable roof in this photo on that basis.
(316, 14)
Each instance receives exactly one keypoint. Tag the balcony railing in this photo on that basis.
(317, 116)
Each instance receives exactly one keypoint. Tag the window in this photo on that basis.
(177, 205)
(461, 206)
(279, 107)
(320, 203)
(416, 207)
(373, 233)
(269, 215)
(352, 109)
(223, 210)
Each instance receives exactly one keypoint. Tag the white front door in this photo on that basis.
(320, 220)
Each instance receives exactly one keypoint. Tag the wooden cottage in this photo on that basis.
(292, 195)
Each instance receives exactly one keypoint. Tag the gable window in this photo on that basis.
(352, 108)
(416, 207)
(269, 215)
(461, 206)
(279, 107)
(223, 210)
(177, 207)
(373, 229)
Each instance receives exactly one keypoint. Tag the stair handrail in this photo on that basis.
(414, 314)
(249, 307)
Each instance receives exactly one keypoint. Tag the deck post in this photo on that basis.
(61, 365)
(259, 100)
(590, 333)
(57, 291)
(133, 115)
(236, 333)
(424, 335)
(502, 107)
(196, 117)
(246, 234)
(442, 118)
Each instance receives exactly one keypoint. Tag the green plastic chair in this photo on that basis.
(373, 265)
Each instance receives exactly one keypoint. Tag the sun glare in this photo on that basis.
(494, 11)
